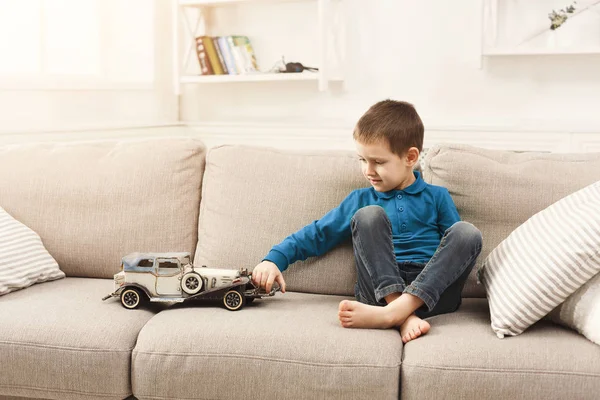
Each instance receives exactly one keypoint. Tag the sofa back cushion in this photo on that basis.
(252, 198)
(498, 190)
(94, 202)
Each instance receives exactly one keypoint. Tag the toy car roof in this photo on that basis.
(132, 260)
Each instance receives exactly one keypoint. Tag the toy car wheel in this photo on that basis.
(234, 300)
(191, 283)
(131, 298)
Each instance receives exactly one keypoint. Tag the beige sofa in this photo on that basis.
(93, 202)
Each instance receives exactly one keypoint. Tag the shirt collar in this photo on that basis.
(416, 187)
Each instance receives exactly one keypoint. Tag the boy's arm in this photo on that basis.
(316, 238)
(447, 213)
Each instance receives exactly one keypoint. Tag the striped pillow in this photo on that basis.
(23, 258)
(543, 261)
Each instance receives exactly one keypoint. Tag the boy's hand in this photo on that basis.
(265, 273)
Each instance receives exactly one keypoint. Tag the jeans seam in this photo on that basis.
(421, 294)
(367, 265)
(455, 277)
(473, 256)
(380, 294)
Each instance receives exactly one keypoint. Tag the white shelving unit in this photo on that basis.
(498, 14)
(329, 29)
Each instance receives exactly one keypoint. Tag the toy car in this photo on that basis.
(171, 277)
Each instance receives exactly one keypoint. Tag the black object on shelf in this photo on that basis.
(297, 67)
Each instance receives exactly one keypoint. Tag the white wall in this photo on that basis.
(75, 102)
(428, 53)
(425, 52)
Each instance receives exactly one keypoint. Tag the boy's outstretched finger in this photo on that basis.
(281, 282)
(263, 279)
(256, 278)
(270, 281)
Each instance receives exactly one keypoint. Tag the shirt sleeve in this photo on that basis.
(318, 237)
(447, 213)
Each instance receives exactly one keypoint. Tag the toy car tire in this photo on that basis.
(234, 300)
(131, 298)
(191, 283)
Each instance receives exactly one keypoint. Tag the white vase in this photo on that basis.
(560, 38)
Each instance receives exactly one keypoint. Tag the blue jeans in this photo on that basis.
(438, 283)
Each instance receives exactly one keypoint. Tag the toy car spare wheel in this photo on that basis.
(131, 298)
(234, 300)
(191, 283)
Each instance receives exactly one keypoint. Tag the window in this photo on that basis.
(167, 268)
(76, 43)
(146, 263)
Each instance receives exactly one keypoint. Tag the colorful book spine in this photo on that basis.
(205, 67)
(212, 55)
(250, 63)
(238, 58)
(219, 54)
(227, 55)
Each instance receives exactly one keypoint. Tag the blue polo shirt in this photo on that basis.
(419, 214)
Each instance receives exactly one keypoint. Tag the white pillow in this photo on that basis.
(543, 261)
(581, 311)
(23, 258)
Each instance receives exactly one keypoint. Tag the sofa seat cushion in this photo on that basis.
(290, 346)
(59, 340)
(461, 358)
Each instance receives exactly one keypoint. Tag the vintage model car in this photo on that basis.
(171, 277)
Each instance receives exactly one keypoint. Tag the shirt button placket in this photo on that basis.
(401, 209)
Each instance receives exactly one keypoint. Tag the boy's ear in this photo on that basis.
(412, 156)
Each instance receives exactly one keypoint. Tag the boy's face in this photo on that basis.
(386, 170)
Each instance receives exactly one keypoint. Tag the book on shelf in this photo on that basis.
(204, 63)
(213, 58)
(226, 55)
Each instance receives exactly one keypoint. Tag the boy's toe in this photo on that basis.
(345, 305)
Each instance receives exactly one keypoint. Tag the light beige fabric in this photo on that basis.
(461, 358)
(58, 340)
(94, 202)
(253, 198)
(290, 346)
(16, 398)
(498, 190)
(543, 261)
(581, 311)
(24, 260)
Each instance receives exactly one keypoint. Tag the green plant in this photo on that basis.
(559, 18)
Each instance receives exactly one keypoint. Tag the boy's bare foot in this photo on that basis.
(413, 327)
(353, 314)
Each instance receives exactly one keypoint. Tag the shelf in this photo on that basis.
(261, 77)
(540, 51)
(194, 18)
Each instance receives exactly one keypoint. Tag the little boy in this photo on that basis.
(413, 254)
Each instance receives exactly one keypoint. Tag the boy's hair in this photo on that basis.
(396, 122)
